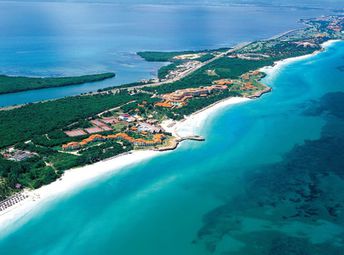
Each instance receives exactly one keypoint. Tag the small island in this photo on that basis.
(40, 141)
(12, 84)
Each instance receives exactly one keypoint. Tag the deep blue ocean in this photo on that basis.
(268, 180)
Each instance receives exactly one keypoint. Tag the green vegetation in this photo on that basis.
(156, 56)
(199, 103)
(32, 173)
(128, 85)
(78, 124)
(119, 127)
(278, 49)
(10, 84)
(205, 57)
(42, 140)
(225, 67)
(164, 70)
(143, 107)
(64, 161)
(36, 119)
(5, 189)
(161, 56)
(50, 165)
(232, 68)
(102, 151)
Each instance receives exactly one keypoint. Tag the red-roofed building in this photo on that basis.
(93, 130)
(75, 132)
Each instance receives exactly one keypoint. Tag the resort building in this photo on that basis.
(93, 130)
(247, 76)
(16, 154)
(75, 132)
(248, 86)
(91, 139)
(97, 122)
(164, 104)
(305, 44)
(223, 82)
(151, 120)
(71, 146)
(126, 117)
(99, 125)
(109, 120)
(156, 140)
(148, 128)
(179, 97)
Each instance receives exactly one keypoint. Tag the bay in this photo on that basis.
(71, 38)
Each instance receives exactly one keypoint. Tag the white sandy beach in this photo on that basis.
(274, 70)
(71, 181)
(75, 178)
(193, 123)
(79, 177)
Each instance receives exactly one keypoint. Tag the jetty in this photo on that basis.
(174, 143)
(192, 138)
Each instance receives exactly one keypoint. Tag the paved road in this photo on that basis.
(188, 72)
(179, 77)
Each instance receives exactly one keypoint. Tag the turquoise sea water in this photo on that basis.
(268, 180)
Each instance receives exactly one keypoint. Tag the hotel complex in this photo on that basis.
(179, 97)
(156, 140)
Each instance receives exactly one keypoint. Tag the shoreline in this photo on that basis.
(275, 69)
(193, 123)
(71, 181)
(110, 76)
(74, 179)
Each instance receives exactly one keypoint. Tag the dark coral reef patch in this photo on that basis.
(288, 205)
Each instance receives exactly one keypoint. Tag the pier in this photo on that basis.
(174, 144)
(192, 138)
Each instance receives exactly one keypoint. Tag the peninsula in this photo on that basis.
(12, 84)
(41, 141)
